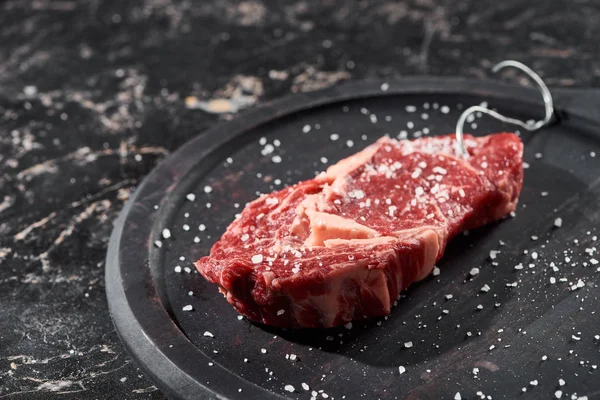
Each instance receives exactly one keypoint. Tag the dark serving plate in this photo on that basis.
(528, 334)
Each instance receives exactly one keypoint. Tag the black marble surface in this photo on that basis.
(94, 93)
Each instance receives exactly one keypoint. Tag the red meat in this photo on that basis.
(342, 246)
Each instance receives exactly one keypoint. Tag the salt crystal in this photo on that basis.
(457, 396)
(449, 297)
(445, 109)
(436, 271)
(201, 227)
(306, 129)
(196, 239)
(373, 118)
(334, 137)
(158, 243)
(190, 196)
(474, 271)
(385, 86)
(289, 388)
(166, 233)
(305, 386)
(410, 109)
(264, 351)
(401, 369)
(280, 312)
(593, 261)
(349, 143)
(485, 288)
(186, 227)
(533, 383)
(188, 308)
(178, 269)
(534, 255)
(257, 259)
(207, 189)
(408, 345)
(276, 159)
(558, 394)
(208, 334)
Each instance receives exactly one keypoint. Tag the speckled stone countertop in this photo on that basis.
(94, 94)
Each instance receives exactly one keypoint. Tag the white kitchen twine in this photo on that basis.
(530, 126)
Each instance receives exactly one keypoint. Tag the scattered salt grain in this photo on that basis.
(474, 271)
(561, 382)
(166, 233)
(593, 261)
(158, 243)
(190, 196)
(385, 86)
(186, 227)
(445, 109)
(177, 269)
(533, 383)
(196, 239)
(373, 118)
(538, 155)
(201, 227)
(410, 109)
(408, 345)
(207, 189)
(534, 255)
(457, 396)
(324, 160)
(264, 351)
(257, 259)
(208, 334)
(188, 270)
(280, 312)
(449, 297)
(401, 369)
(306, 129)
(334, 137)
(276, 159)
(290, 388)
(436, 271)
(558, 394)
(305, 386)
(349, 143)
(188, 308)
(486, 288)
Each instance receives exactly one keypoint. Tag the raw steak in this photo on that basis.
(342, 246)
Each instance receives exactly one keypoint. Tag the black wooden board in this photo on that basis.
(506, 340)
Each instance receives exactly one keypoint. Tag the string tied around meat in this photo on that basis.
(528, 125)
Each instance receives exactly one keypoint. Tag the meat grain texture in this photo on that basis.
(342, 246)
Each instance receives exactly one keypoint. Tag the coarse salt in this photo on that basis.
(188, 308)
(257, 259)
(289, 388)
(190, 196)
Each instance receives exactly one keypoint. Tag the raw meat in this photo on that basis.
(342, 246)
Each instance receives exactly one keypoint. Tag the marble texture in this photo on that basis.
(95, 93)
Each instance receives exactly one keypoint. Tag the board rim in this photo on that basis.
(131, 312)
